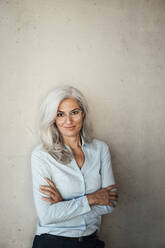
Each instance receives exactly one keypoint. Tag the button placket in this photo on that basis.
(75, 165)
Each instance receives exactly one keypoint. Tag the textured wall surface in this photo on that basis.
(114, 51)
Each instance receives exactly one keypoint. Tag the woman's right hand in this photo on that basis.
(104, 196)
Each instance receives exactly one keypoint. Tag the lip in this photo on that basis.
(69, 127)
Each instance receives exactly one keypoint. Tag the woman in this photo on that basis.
(73, 182)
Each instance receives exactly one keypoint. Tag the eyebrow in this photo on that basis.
(70, 111)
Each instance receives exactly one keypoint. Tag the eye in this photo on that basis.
(75, 112)
(60, 114)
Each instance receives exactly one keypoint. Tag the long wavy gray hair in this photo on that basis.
(48, 131)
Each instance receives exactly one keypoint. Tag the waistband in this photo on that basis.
(80, 239)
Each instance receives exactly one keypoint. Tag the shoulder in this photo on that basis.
(39, 160)
(99, 145)
(38, 147)
(39, 152)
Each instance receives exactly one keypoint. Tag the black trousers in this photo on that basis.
(51, 241)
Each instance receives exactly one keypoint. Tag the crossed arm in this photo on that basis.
(97, 203)
(50, 206)
(100, 197)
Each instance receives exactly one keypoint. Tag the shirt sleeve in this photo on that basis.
(58, 212)
(107, 179)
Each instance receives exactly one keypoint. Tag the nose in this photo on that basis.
(68, 119)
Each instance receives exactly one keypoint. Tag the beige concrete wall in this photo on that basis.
(114, 51)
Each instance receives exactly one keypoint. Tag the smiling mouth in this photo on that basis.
(70, 127)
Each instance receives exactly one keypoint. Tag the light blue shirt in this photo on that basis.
(72, 217)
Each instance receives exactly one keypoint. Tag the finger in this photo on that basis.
(115, 186)
(113, 198)
(45, 187)
(50, 183)
(113, 193)
(112, 204)
(47, 199)
(46, 192)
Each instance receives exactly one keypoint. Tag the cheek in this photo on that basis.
(58, 124)
(79, 124)
(59, 127)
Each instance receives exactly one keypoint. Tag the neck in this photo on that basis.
(72, 142)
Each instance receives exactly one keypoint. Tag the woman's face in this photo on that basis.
(69, 118)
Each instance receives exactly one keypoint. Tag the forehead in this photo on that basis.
(68, 104)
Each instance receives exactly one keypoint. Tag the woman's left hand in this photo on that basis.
(51, 191)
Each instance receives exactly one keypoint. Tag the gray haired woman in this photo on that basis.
(73, 182)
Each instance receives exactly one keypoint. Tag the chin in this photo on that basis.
(70, 133)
